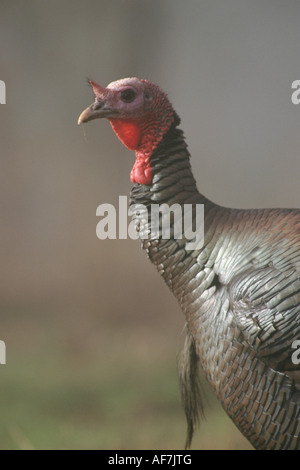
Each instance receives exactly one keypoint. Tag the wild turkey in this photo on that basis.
(240, 291)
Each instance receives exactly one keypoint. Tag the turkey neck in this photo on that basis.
(172, 182)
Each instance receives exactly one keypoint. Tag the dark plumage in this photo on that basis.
(240, 292)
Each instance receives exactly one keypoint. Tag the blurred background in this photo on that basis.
(91, 331)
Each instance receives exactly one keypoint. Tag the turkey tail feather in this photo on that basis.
(190, 387)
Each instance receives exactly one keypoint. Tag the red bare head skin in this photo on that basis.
(140, 114)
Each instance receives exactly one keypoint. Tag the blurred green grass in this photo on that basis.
(103, 390)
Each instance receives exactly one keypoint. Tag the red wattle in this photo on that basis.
(128, 132)
(141, 172)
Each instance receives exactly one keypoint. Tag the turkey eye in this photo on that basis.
(128, 95)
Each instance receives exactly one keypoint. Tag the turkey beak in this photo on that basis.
(95, 111)
(101, 107)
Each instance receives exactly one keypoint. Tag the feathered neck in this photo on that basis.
(172, 177)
